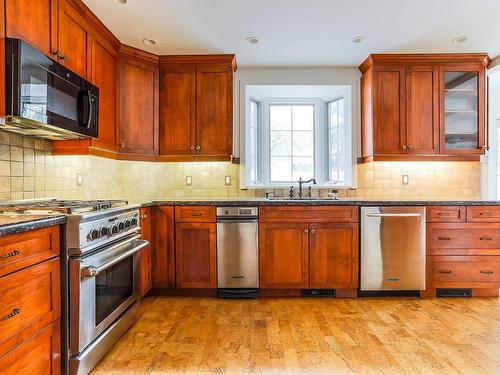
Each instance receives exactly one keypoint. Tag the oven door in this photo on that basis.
(102, 287)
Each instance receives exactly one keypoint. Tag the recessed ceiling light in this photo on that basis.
(358, 39)
(149, 41)
(253, 40)
(121, 1)
(461, 39)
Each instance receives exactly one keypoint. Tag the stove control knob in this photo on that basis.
(127, 223)
(94, 234)
(133, 222)
(114, 229)
(121, 225)
(103, 231)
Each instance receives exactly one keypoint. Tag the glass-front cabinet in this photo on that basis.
(462, 109)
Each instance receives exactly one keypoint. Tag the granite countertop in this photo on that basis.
(17, 223)
(313, 202)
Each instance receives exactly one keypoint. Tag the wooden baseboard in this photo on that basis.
(177, 292)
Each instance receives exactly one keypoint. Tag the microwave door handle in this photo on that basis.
(91, 271)
(86, 115)
(89, 121)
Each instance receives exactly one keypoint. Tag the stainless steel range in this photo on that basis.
(101, 266)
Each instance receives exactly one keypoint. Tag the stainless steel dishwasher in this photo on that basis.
(238, 252)
(392, 248)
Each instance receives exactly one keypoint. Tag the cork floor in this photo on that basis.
(310, 336)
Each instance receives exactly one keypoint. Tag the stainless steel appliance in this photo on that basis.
(100, 275)
(238, 252)
(44, 98)
(392, 248)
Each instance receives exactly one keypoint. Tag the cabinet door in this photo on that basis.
(462, 99)
(74, 40)
(422, 109)
(163, 246)
(195, 255)
(138, 107)
(283, 249)
(333, 255)
(177, 110)
(214, 110)
(34, 21)
(104, 76)
(389, 133)
(145, 258)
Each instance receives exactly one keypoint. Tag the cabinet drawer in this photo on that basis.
(25, 249)
(29, 301)
(446, 214)
(40, 354)
(336, 214)
(483, 214)
(194, 214)
(469, 271)
(463, 236)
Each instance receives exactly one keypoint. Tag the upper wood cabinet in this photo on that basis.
(196, 107)
(104, 76)
(74, 39)
(409, 111)
(138, 90)
(34, 21)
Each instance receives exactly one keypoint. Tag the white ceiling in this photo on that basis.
(304, 32)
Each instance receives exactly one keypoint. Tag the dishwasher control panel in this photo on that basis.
(244, 212)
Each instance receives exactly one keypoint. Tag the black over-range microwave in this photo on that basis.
(44, 98)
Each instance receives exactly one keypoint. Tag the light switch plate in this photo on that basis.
(405, 179)
(79, 179)
(227, 180)
(189, 181)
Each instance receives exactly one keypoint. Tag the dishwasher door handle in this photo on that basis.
(394, 215)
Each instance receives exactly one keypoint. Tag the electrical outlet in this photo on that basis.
(405, 180)
(227, 180)
(79, 179)
(189, 181)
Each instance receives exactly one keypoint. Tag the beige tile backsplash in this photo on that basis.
(28, 170)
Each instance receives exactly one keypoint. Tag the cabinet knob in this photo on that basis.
(410, 147)
(62, 57)
(122, 144)
(192, 148)
(306, 230)
(313, 231)
(404, 147)
(484, 147)
(198, 148)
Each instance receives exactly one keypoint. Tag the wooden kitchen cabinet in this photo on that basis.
(313, 247)
(410, 112)
(104, 76)
(138, 92)
(34, 21)
(333, 249)
(195, 255)
(196, 111)
(145, 273)
(74, 39)
(283, 253)
(163, 246)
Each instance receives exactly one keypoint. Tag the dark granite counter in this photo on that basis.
(315, 202)
(18, 223)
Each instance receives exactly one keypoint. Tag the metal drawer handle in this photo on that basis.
(486, 272)
(486, 238)
(196, 214)
(485, 214)
(393, 215)
(444, 214)
(446, 272)
(444, 238)
(14, 312)
(11, 254)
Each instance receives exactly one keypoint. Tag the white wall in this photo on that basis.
(294, 76)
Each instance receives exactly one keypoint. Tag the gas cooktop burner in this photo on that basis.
(62, 206)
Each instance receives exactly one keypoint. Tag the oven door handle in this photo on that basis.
(91, 271)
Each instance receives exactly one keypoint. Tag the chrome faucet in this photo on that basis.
(301, 182)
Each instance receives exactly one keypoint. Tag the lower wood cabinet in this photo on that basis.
(163, 247)
(333, 255)
(283, 250)
(311, 252)
(195, 255)
(40, 354)
(146, 280)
